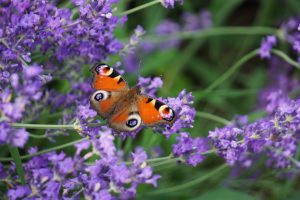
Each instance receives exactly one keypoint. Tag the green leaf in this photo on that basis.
(224, 194)
(295, 196)
(16, 157)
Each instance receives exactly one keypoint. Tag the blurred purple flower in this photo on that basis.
(84, 112)
(150, 85)
(15, 137)
(165, 28)
(131, 62)
(171, 3)
(290, 29)
(196, 22)
(20, 137)
(266, 46)
(18, 192)
(280, 77)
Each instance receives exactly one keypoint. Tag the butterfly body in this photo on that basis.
(125, 108)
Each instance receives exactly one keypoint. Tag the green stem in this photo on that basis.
(154, 159)
(190, 183)
(170, 158)
(130, 11)
(286, 58)
(230, 71)
(52, 126)
(38, 136)
(42, 126)
(164, 162)
(17, 159)
(213, 117)
(217, 31)
(45, 151)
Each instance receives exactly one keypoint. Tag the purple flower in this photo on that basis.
(192, 22)
(82, 146)
(29, 20)
(105, 145)
(165, 28)
(107, 178)
(121, 174)
(290, 28)
(134, 40)
(266, 46)
(131, 62)
(139, 157)
(84, 112)
(32, 71)
(280, 78)
(150, 85)
(15, 137)
(170, 3)
(185, 114)
(20, 137)
(191, 149)
(275, 136)
(40, 26)
(141, 171)
(19, 192)
(227, 143)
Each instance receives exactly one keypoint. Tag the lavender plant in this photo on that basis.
(53, 145)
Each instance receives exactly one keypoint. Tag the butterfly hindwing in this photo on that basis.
(125, 120)
(125, 117)
(107, 78)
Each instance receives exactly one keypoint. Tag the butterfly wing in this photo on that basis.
(135, 110)
(107, 78)
(110, 86)
(154, 112)
(104, 102)
(125, 117)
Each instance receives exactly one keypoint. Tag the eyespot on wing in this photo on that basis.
(107, 78)
(155, 112)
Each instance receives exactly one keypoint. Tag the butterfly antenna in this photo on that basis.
(138, 71)
(139, 68)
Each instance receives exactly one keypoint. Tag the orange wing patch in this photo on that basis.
(106, 105)
(155, 112)
(104, 102)
(120, 117)
(107, 83)
(148, 112)
(106, 78)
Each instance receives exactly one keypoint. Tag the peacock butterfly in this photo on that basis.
(125, 108)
